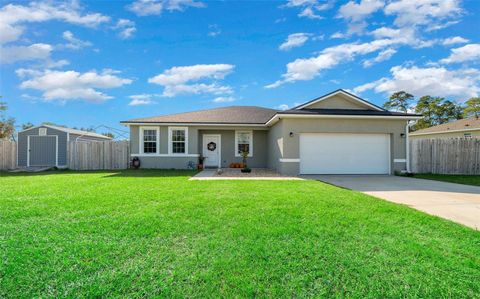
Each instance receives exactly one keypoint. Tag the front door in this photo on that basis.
(211, 150)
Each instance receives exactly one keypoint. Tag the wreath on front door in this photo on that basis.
(212, 146)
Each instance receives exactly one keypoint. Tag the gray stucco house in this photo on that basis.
(338, 133)
(47, 145)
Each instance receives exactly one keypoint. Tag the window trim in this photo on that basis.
(141, 141)
(170, 148)
(250, 153)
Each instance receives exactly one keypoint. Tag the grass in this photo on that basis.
(473, 180)
(154, 233)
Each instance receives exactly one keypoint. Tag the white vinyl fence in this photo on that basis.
(97, 155)
(445, 156)
(8, 154)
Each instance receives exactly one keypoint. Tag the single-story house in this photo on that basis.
(338, 133)
(47, 145)
(463, 128)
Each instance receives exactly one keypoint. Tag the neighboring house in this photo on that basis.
(338, 133)
(47, 145)
(463, 128)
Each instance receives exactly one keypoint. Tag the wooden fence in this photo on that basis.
(96, 155)
(445, 156)
(8, 154)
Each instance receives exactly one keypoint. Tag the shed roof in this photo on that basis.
(72, 131)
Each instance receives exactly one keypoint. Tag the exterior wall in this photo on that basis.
(260, 147)
(275, 146)
(297, 126)
(195, 143)
(474, 134)
(337, 102)
(23, 145)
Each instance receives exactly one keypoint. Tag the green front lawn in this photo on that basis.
(452, 178)
(154, 233)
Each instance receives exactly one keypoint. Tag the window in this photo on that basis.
(243, 142)
(149, 140)
(178, 143)
(42, 131)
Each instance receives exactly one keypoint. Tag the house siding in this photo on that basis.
(195, 142)
(23, 145)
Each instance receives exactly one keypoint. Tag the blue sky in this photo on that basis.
(94, 63)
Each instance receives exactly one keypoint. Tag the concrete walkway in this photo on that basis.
(257, 174)
(455, 202)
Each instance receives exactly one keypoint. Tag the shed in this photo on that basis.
(47, 145)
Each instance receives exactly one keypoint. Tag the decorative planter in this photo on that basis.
(200, 166)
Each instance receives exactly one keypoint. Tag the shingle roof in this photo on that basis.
(78, 132)
(345, 112)
(462, 124)
(224, 115)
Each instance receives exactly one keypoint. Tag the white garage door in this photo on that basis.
(340, 153)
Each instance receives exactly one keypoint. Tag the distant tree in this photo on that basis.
(399, 101)
(449, 111)
(7, 124)
(48, 123)
(28, 125)
(436, 111)
(472, 108)
(108, 134)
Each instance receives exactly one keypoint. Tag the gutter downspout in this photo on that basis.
(407, 146)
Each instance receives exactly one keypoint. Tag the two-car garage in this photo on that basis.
(344, 153)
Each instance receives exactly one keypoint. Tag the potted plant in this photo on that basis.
(245, 168)
(200, 162)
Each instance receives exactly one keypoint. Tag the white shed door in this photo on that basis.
(341, 153)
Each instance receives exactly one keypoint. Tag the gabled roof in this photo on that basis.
(350, 96)
(346, 112)
(226, 115)
(71, 131)
(467, 124)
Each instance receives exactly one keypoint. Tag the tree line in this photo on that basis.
(435, 110)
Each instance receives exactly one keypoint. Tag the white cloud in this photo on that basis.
(21, 53)
(282, 107)
(140, 102)
(309, 68)
(141, 99)
(356, 13)
(73, 42)
(155, 7)
(214, 30)
(338, 35)
(12, 16)
(224, 100)
(423, 12)
(126, 28)
(176, 80)
(309, 8)
(382, 56)
(71, 85)
(454, 40)
(435, 81)
(466, 53)
(294, 40)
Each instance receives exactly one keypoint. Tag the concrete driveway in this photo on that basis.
(455, 202)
